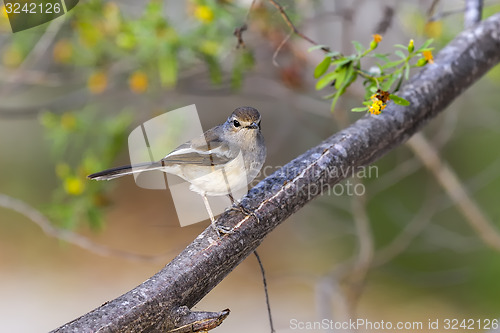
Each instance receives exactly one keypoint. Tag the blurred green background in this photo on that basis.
(72, 90)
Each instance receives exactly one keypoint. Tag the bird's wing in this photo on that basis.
(207, 150)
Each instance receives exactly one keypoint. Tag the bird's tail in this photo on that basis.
(124, 170)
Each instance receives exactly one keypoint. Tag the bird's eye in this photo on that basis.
(236, 123)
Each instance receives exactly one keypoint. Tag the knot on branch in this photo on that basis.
(188, 321)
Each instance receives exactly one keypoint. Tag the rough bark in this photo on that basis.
(157, 305)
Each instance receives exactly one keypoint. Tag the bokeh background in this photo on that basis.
(71, 91)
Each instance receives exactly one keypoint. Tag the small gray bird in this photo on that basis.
(224, 159)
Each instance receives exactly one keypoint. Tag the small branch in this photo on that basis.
(442, 15)
(451, 184)
(432, 8)
(292, 26)
(473, 12)
(331, 300)
(268, 304)
(238, 32)
(196, 321)
(277, 51)
(69, 236)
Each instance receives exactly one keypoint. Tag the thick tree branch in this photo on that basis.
(155, 305)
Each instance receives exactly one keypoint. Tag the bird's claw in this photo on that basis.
(244, 211)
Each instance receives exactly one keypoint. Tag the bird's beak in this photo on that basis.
(254, 125)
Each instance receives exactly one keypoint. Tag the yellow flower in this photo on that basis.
(63, 51)
(97, 82)
(138, 82)
(428, 56)
(73, 185)
(377, 38)
(204, 14)
(377, 106)
(411, 45)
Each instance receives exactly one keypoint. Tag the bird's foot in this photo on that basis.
(222, 230)
(244, 210)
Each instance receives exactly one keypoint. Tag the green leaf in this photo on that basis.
(365, 108)
(333, 54)
(392, 64)
(400, 82)
(342, 74)
(334, 101)
(401, 46)
(382, 57)
(399, 100)
(407, 71)
(350, 76)
(400, 54)
(326, 80)
(386, 86)
(421, 62)
(316, 47)
(341, 61)
(322, 67)
(425, 45)
(357, 45)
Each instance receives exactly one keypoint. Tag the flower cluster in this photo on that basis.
(378, 102)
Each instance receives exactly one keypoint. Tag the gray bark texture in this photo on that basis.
(159, 304)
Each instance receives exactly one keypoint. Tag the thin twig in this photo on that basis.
(432, 8)
(442, 15)
(71, 237)
(455, 190)
(292, 26)
(277, 51)
(265, 291)
(330, 300)
(238, 31)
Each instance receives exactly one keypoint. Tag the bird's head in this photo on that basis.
(244, 119)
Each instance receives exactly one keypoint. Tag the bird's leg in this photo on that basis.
(217, 229)
(241, 209)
